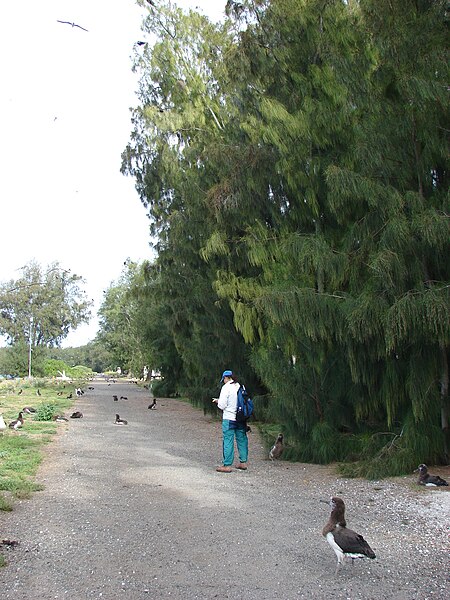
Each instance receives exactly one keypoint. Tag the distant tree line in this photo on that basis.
(294, 164)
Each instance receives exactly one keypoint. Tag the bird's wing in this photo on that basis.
(352, 542)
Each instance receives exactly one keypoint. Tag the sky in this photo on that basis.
(65, 95)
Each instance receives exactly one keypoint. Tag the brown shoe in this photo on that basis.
(242, 466)
(224, 469)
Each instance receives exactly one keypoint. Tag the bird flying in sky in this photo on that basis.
(72, 24)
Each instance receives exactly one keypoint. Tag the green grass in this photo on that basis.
(21, 451)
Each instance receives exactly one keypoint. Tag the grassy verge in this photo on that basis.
(21, 450)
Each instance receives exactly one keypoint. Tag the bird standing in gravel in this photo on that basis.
(429, 480)
(152, 406)
(17, 423)
(277, 449)
(345, 542)
(120, 421)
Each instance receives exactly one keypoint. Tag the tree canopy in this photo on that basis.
(294, 164)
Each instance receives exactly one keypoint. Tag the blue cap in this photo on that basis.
(226, 373)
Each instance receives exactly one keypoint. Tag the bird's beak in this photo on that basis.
(324, 501)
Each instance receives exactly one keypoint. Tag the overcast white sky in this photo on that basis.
(64, 121)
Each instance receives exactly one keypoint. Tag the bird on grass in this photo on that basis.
(17, 423)
(120, 421)
(69, 397)
(72, 24)
(277, 449)
(76, 415)
(29, 410)
(429, 480)
(20, 392)
(38, 393)
(344, 542)
(152, 406)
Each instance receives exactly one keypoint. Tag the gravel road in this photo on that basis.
(139, 512)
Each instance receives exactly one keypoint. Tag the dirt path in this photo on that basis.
(139, 512)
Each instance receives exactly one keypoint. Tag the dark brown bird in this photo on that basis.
(123, 397)
(429, 480)
(20, 392)
(345, 542)
(277, 449)
(120, 421)
(115, 398)
(17, 423)
(60, 418)
(72, 24)
(76, 415)
(69, 397)
(152, 406)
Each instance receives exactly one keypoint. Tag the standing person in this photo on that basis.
(227, 402)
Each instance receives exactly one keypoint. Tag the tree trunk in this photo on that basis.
(445, 405)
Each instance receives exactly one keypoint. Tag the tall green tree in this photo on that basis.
(40, 308)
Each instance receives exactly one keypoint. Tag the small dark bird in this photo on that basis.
(59, 394)
(120, 421)
(429, 480)
(152, 406)
(10, 543)
(115, 398)
(277, 449)
(72, 24)
(140, 44)
(69, 397)
(91, 388)
(344, 542)
(29, 410)
(76, 415)
(38, 393)
(123, 398)
(20, 392)
(17, 423)
(60, 418)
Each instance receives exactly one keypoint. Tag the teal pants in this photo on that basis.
(230, 430)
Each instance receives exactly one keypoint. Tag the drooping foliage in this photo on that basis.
(294, 164)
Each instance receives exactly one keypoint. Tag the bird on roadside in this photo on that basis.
(115, 398)
(29, 410)
(277, 449)
(344, 542)
(120, 421)
(72, 24)
(17, 423)
(152, 406)
(2, 423)
(76, 415)
(429, 480)
(60, 418)
(123, 397)
(79, 392)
